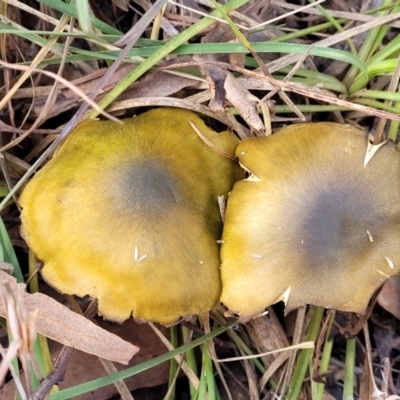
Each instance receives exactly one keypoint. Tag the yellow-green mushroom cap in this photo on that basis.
(128, 214)
(311, 224)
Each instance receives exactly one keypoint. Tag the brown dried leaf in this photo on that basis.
(63, 325)
(389, 296)
(67, 98)
(327, 396)
(348, 324)
(237, 59)
(85, 367)
(216, 80)
(244, 101)
(122, 4)
(220, 33)
(154, 83)
(222, 84)
(366, 383)
(215, 75)
(266, 334)
(158, 83)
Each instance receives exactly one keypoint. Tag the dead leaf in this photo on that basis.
(219, 33)
(158, 83)
(122, 4)
(389, 297)
(366, 386)
(154, 83)
(267, 334)
(349, 324)
(63, 325)
(327, 396)
(237, 59)
(244, 101)
(222, 84)
(215, 76)
(67, 98)
(86, 367)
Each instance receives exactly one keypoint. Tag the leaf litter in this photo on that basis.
(65, 326)
(230, 84)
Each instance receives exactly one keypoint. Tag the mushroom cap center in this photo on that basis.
(146, 186)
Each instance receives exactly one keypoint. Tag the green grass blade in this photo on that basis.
(348, 388)
(68, 9)
(335, 24)
(325, 358)
(154, 51)
(191, 360)
(101, 382)
(8, 252)
(84, 18)
(209, 373)
(305, 355)
(173, 365)
(365, 51)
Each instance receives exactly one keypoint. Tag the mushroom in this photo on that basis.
(128, 214)
(311, 224)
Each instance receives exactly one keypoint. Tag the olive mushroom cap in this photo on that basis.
(128, 214)
(311, 224)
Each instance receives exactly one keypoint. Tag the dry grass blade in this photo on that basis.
(53, 21)
(7, 356)
(300, 346)
(21, 321)
(130, 38)
(267, 334)
(120, 385)
(63, 81)
(22, 327)
(179, 103)
(45, 110)
(252, 379)
(196, 11)
(303, 90)
(352, 16)
(245, 102)
(194, 380)
(376, 393)
(33, 67)
(394, 83)
(275, 365)
(334, 39)
(298, 330)
(208, 143)
(297, 9)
